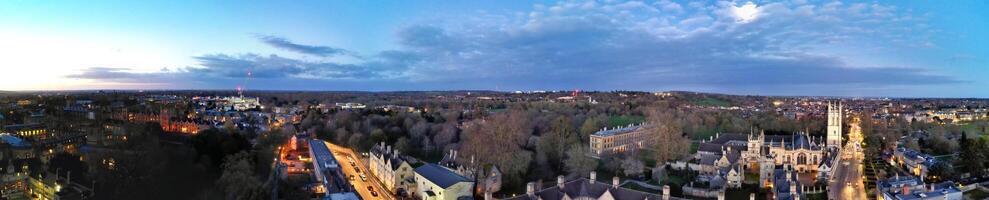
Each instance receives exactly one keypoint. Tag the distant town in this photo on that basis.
(488, 145)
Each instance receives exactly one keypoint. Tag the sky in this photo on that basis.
(820, 48)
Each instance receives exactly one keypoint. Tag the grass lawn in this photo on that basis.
(670, 180)
(694, 146)
(637, 187)
(818, 196)
(711, 102)
(646, 155)
(751, 177)
(705, 134)
(624, 120)
(976, 194)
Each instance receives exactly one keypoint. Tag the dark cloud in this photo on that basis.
(285, 44)
(603, 47)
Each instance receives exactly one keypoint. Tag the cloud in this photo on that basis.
(103, 73)
(607, 46)
(285, 44)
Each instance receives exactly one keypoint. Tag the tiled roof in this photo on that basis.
(440, 176)
(583, 187)
(616, 131)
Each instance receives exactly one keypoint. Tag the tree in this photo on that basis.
(447, 134)
(377, 136)
(500, 141)
(403, 145)
(973, 152)
(554, 143)
(65, 163)
(356, 141)
(590, 126)
(342, 135)
(632, 167)
(578, 162)
(667, 137)
(238, 180)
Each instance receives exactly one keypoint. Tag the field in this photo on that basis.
(976, 194)
(708, 101)
(624, 120)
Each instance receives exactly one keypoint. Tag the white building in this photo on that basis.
(393, 171)
(834, 125)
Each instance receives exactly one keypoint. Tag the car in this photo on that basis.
(363, 178)
(369, 188)
(358, 170)
(374, 194)
(351, 177)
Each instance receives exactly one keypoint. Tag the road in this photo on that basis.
(847, 180)
(341, 154)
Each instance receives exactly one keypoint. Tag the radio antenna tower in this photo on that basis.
(243, 86)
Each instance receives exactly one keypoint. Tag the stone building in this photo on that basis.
(608, 142)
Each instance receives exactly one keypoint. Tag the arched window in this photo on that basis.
(801, 159)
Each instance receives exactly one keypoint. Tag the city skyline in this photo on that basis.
(898, 49)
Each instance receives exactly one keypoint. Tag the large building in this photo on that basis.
(799, 150)
(393, 171)
(786, 186)
(435, 182)
(834, 125)
(613, 141)
(587, 188)
(328, 173)
(912, 188)
(916, 162)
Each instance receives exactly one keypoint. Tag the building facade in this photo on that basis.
(393, 171)
(588, 188)
(834, 125)
(800, 150)
(614, 141)
(435, 182)
(913, 188)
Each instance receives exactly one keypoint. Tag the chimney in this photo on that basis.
(615, 181)
(594, 176)
(560, 181)
(793, 189)
(721, 195)
(488, 196)
(666, 192)
(751, 196)
(530, 189)
(905, 190)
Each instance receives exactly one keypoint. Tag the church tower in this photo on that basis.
(834, 125)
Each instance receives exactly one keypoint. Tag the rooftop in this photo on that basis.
(619, 130)
(442, 177)
(14, 140)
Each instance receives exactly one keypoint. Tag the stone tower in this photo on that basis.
(834, 125)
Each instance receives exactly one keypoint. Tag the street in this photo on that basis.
(847, 180)
(342, 154)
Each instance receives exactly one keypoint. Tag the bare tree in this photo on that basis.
(500, 141)
(238, 180)
(578, 162)
(632, 166)
(668, 138)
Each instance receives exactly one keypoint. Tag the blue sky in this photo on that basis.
(844, 48)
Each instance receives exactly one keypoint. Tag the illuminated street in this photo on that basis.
(847, 180)
(342, 154)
